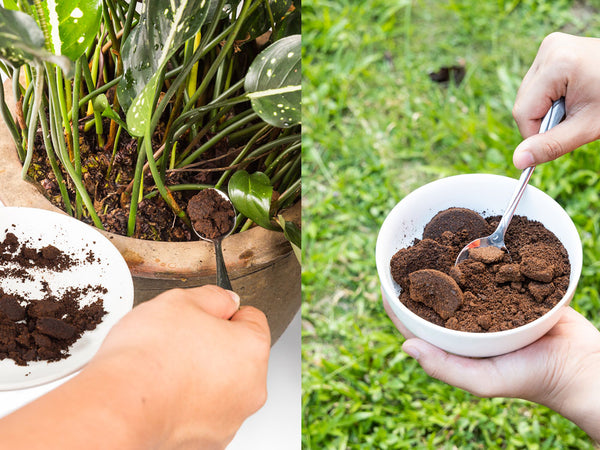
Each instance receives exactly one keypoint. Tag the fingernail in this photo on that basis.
(235, 298)
(523, 159)
(411, 350)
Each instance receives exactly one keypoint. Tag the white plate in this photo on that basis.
(41, 228)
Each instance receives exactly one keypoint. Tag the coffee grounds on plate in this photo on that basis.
(38, 330)
(211, 214)
(497, 290)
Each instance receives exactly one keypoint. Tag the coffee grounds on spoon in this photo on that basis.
(499, 290)
(211, 214)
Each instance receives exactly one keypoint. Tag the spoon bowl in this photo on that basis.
(213, 219)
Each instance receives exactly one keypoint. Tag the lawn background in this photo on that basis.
(376, 127)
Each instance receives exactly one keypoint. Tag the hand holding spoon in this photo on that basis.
(552, 118)
(213, 219)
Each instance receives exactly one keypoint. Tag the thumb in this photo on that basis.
(544, 147)
(216, 301)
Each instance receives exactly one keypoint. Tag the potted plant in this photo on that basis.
(120, 111)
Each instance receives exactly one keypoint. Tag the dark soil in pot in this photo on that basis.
(490, 291)
(108, 178)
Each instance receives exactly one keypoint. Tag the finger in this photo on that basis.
(401, 328)
(563, 138)
(255, 319)
(478, 376)
(532, 103)
(216, 301)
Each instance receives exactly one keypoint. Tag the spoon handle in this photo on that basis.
(552, 118)
(222, 277)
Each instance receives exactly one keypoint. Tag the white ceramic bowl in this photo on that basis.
(488, 195)
(109, 270)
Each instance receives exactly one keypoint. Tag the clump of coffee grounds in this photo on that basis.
(42, 330)
(212, 215)
(490, 291)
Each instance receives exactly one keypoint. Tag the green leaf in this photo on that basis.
(273, 83)
(293, 235)
(291, 232)
(11, 4)
(251, 195)
(139, 114)
(102, 106)
(259, 21)
(22, 41)
(290, 24)
(163, 27)
(72, 25)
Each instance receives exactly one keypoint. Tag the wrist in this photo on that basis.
(579, 398)
(126, 399)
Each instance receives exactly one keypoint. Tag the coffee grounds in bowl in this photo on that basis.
(496, 290)
(44, 329)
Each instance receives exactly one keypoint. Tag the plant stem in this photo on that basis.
(128, 20)
(114, 152)
(75, 129)
(180, 187)
(90, 83)
(289, 175)
(289, 193)
(27, 98)
(10, 122)
(200, 134)
(59, 137)
(135, 192)
(101, 90)
(32, 125)
(63, 110)
(184, 72)
(164, 191)
(243, 153)
(191, 87)
(270, 13)
(216, 138)
(54, 163)
(221, 56)
(42, 22)
(281, 156)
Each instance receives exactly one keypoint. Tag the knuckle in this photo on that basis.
(517, 111)
(260, 397)
(552, 148)
(553, 38)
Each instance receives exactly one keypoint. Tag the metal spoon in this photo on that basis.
(496, 239)
(222, 276)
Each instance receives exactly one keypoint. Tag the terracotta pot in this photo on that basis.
(261, 264)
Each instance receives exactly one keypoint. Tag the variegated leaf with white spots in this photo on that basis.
(273, 83)
(164, 26)
(22, 41)
(71, 25)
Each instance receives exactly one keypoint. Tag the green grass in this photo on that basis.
(376, 127)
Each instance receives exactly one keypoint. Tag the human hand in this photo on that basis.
(560, 370)
(565, 65)
(196, 375)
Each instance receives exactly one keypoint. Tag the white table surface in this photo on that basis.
(276, 426)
